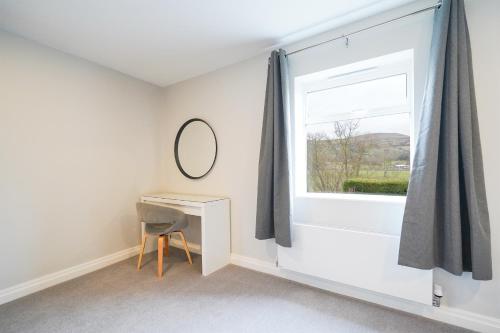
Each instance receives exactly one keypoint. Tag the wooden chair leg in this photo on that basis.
(186, 247)
(160, 256)
(167, 241)
(141, 253)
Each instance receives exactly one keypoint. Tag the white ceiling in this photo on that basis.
(166, 41)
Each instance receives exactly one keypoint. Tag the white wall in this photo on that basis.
(232, 99)
(78, 145)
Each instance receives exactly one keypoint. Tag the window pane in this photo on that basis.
(367, 155)
(356, 100)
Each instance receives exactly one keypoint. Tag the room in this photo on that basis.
(249, 166)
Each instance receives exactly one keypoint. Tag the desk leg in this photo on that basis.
(215, 234)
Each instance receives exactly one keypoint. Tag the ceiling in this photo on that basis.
(166, 41)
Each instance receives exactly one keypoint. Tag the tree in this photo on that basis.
(360, 148)
(344, 137)
(334, 158)
(322, 174)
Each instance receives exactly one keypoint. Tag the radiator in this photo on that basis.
(361, 259)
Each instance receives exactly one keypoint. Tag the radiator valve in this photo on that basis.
(436, 296)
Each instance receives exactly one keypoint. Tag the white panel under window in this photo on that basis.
(360, 259)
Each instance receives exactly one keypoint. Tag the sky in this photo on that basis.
(380, 104)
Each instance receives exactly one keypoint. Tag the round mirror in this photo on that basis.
(195, 148)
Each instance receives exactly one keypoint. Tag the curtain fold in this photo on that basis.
(273, 196)
(446, 221)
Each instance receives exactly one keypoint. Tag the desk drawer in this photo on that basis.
(189, 210)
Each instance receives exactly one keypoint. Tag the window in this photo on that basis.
(353, 127)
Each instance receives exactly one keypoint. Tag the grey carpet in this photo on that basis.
(120, 299)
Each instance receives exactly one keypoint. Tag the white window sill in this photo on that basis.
(353, 197)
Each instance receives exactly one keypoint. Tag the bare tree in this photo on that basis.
(334, 158)
(360, 150)
(344, 137)
(322, 173)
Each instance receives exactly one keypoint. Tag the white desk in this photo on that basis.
(214, 213)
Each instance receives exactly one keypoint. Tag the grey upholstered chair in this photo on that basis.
(161, 221)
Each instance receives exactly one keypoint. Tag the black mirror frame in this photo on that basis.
(176, 148)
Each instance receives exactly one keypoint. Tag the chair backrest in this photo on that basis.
(151, 213)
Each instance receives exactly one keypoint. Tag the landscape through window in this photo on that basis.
(358, 138)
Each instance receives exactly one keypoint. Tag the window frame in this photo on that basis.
(375, 68)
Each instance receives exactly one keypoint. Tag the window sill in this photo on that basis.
(398, 199)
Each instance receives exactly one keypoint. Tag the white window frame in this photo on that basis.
(392, 64)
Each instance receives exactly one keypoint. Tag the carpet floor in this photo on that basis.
(120, 299)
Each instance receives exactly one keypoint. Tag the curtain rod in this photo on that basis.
(346, 36)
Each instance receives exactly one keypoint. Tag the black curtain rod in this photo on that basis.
(346, 36)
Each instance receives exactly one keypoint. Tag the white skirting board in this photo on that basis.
(49, 280)
(448, 315)
(195, 248)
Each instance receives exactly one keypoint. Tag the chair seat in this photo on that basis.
(159, 228)
(159, 221)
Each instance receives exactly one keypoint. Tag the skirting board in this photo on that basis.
(49, 280)
(448, 315)
(195, 248)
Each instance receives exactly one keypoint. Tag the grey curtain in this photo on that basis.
(446, 222)
(273, 196)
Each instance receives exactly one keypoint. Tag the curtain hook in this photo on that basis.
(346, 41)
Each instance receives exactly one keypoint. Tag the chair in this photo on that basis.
(161, 221)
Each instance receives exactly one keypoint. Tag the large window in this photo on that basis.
(354, 127)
